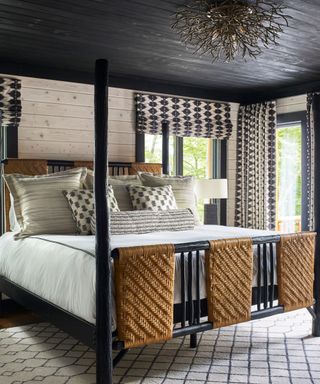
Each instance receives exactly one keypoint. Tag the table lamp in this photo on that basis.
(209, 189)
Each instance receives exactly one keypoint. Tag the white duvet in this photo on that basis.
(61, 269)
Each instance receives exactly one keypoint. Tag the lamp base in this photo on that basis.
(210, 214)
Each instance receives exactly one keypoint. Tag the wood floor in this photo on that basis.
(13, 315)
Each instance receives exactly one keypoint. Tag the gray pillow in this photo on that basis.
(134, 222)
(119, 185)
(39, 204)
(183, 188)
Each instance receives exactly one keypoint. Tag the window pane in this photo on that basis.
(289, 187)
(197, 161)
(153, 151)
(196, 154)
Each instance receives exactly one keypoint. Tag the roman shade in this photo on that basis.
(10, 101)
(184, 117)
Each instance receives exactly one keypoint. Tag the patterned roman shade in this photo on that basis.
(10, 101)
(185, 117)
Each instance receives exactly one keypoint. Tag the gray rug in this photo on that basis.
(274, 350)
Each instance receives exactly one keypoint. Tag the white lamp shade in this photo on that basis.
(212, 188)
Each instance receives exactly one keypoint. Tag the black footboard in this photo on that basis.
(190, 315)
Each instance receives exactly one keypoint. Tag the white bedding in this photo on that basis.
(61, 269)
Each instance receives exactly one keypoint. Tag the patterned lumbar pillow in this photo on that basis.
(133, 222)
(152, 198)
(81, 202)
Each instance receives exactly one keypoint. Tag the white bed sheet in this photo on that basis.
(61, 269)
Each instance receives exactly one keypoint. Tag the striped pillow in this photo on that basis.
(39, 204)
(138, 222)
(119, 185)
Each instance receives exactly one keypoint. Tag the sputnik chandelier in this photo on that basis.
(231, 28)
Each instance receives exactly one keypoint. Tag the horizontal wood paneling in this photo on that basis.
(292, 104)
(57, 121)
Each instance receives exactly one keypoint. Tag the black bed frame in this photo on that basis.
(189, 316)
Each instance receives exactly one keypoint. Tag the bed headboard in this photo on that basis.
(43, 167)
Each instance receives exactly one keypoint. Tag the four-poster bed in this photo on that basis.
(188, 315)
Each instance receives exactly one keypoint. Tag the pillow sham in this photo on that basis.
(81, 202)
(119, 184)
(133, 222)
(183, 188)
(152, 198)
(13, 222)
(39, 205)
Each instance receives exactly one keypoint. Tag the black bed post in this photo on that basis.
(103, 257)
(165, 149)
(3, 157)
(316, 116)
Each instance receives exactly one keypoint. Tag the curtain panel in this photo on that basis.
(256, 166)
(10, 101)
(184, 117)
(313, 122)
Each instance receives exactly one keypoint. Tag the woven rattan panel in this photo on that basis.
(295, 269)
(83, 164)
(145, 167)
(23, 167)
(145, 294)
(229, 266)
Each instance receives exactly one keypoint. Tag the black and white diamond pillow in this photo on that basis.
(152, 198)
(81, 202)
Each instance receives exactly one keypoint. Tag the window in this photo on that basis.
(289, 174)
(153, 150)
(197, 157)
(188, 156)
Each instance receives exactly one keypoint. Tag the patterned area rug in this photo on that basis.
(274, 350)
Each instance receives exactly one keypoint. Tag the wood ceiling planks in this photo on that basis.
(62, 39)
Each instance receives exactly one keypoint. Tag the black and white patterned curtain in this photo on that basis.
(313, 105)
(256, 166)
(185, 117)
(10, 101)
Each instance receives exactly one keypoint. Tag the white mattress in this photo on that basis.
(61, 269)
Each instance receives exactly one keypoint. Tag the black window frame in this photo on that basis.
(291, 118)
(219, 164)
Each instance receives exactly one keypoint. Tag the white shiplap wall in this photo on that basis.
(57, 121)
(291, 104)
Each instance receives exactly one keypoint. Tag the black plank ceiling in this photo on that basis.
(62, 39)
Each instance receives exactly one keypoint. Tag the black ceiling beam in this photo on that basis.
(156, 85)
(280, 92)
(118, 81)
